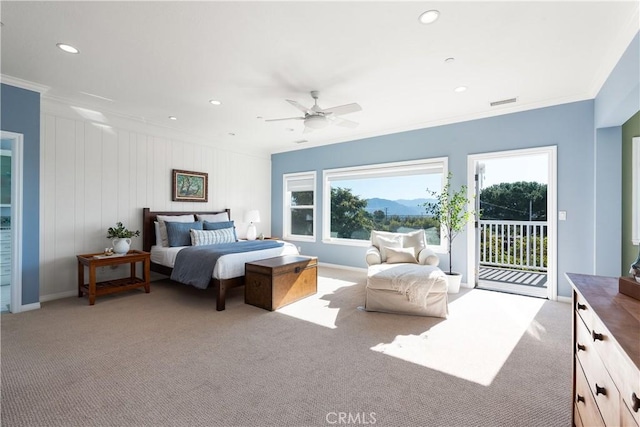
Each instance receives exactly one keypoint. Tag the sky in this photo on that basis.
(529, 168)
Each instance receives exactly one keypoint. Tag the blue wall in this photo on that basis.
(20, 113)
(570, 127)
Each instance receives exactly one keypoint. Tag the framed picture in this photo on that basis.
(190, 186)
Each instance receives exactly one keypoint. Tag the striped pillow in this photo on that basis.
(212, 237)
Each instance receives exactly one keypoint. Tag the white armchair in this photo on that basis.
(403, 276)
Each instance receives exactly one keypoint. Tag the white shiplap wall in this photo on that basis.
(94, 175)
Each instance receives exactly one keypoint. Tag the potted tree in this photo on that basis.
(121, 237)
(450, 209)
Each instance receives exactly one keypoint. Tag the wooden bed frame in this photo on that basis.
(149, 239)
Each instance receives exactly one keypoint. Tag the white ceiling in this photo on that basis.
(156, 59)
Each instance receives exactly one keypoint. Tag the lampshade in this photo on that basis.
(252, 216)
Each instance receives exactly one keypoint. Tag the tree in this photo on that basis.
(517, 201)
(348, 213)
(450, 209)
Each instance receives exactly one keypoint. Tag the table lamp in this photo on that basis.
(252, 217)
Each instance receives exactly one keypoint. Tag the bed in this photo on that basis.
(229, 269)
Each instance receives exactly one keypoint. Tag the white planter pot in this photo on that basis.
(453, 282)
(121, 246)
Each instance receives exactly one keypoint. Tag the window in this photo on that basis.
(299, 206)
(387, 197)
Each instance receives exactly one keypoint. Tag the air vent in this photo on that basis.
(503, 101)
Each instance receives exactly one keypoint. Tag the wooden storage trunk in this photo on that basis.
(275, 282)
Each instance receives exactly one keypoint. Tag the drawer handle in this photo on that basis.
(579, 398)
(597, 337)
(297, 270)
(636, 402)
(601, 390)
(580, 347)
(581, 306)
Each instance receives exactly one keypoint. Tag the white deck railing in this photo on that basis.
(519, 244)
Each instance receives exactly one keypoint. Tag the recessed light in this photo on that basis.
(214, 102)
(429, 17)
(290, 129)
(259, 117)
(449, 60)
(173, 118)
(67, 48)
(460, 89)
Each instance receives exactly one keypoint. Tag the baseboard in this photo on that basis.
(343, 267)
(29, 307)
(567, 300)
(51, 297)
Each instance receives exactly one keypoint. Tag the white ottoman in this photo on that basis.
(414, 289)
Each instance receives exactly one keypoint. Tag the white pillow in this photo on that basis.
(219, 217)
(212, 237)
(156, 225)
(386, 234)
(415, 240)
(400, 255)
(171, 218)
(384, 243)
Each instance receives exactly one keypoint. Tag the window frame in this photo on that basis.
(375, 169)
(635, 189)
(286, 211)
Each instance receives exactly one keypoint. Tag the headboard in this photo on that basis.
(148, 228)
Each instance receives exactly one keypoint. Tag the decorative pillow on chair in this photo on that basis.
(385, 243)
(178, 232)
(401, 255)
(414, 239)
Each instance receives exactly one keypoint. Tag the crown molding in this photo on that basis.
(23, 84)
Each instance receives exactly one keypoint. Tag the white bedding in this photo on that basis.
(228, 266)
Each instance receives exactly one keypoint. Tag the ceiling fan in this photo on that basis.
(319, 118)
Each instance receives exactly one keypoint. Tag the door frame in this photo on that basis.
(17, 147)
(552, 203)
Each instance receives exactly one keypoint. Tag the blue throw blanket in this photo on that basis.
(194, 264)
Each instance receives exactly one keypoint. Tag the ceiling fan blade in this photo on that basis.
(287, 118)
(343, 109)
(299, 106)
(344, 122)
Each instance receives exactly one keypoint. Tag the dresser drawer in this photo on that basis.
(627, 419)
(623, 372)
(587, 409)
(582, 308)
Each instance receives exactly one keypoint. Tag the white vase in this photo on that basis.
(453, 282)
(121, 246)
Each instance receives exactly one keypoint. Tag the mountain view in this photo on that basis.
(397, 207)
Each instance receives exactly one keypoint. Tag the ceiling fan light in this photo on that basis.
(316, 122)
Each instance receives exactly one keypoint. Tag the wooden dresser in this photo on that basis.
(606, 348)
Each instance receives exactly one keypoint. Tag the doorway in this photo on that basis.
(512, 243)
(11, 150)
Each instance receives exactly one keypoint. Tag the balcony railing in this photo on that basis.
(519, 244)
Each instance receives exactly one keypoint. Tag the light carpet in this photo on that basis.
(169, 359)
